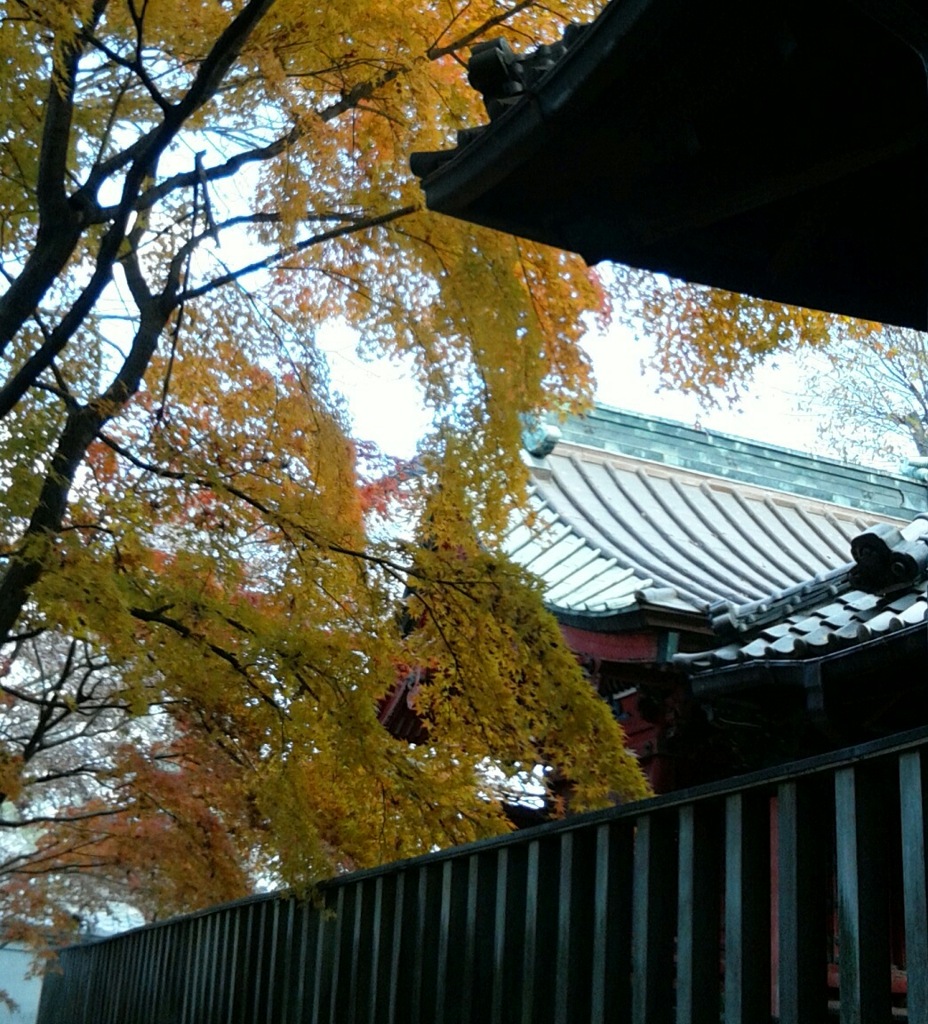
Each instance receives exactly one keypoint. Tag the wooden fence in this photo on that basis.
(796, 895)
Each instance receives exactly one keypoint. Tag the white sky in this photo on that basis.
(768, 412)
(387, 408)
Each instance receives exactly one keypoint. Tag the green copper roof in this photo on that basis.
(737, 458)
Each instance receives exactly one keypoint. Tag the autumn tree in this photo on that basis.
(710, 342)
(197, 622)
(867, 382)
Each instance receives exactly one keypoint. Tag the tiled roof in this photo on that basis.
(853, 609)
(577, 577)
(616, 532)
(894, 495)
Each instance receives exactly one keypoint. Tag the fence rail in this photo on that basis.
(796, 895)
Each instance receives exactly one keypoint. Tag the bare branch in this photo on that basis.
(436, 52)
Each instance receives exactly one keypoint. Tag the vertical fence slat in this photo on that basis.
(446, 907)
(433, 965)
(801, 904)
(141, 992)
(304, 915)
(271, 933)
(258, 977)
(408, 951)
(213, 968)
(207, 967)
(333, 945)
(123, 961)
(193, 971)
(197, 975)
(286, 960)
(366, 949)
(395, 963)
(153, 957)
(320, 929)
(565, 914)
(91, 1000)
(101, 1001)
(472, 945)
(514, 898)
(170, 983)
(132, 969)
(235, 940)
(156, 953)
(468, 966)
(499, 937)
(913, 785)
(316, 965)
(88, 1003)
(541, 914)
(382, 991)
(611, 957)
(372, 990)
(222, 992)
(120, 959)
(64, 990)
(416, 939)
(576, 887)
(135, 978)
(699, 915)
(95, 1005)
(223, 981)
(248, 947)
(530, 933)
(747, 908)
(654, 919)
(186, 954)
(357, 960)
(456, 879)
(863, 947)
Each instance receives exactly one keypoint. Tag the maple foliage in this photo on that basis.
(197, 621)
(709, 342)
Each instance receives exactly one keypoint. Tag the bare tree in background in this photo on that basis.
(873, 392)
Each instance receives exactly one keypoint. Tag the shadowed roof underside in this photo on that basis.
(777, 148)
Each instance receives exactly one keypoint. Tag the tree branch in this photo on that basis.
(60, 221)
(287, 252)
(81, 428)
(146, 154)
(435, 52)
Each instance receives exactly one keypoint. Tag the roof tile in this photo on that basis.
(885, 622)
(755, 649)
(790, 646)
(820, 639)
(915, 613)
(707, 539)
(861, 601)
(836, 615)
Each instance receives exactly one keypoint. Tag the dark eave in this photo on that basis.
(777, 148)
(863, 657)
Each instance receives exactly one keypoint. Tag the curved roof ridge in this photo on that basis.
(567, 447)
